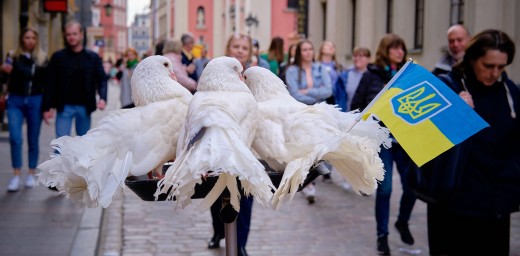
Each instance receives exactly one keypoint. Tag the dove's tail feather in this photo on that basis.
(357, 160)
(296, 171)
(293, 176)
(84, 173)
(219, 152)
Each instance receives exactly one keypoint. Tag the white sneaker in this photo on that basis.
(310, 193)
(14, 184)
(29, 181)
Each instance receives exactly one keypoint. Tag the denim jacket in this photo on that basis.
(322, 87)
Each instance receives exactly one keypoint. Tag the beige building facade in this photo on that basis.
(348, 23)
(421, 23)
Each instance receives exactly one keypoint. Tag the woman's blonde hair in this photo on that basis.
(38, 55)
(174, 46)
(320, 52)
(239, 36)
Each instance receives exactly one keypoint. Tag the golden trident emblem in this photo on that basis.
(411, 103)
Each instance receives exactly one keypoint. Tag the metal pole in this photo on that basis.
(228, 216)
(231, 238)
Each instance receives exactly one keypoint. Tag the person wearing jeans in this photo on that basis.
(64, 120)
(390, 57)
(26, 69)
(403, 163)
(76, 75)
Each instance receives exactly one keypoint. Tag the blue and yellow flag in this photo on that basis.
(425, 116)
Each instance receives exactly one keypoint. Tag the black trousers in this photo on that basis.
(453, 234)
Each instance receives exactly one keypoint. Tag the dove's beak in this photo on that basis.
(172, 75)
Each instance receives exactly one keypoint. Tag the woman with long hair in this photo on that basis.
(488, 163)
(275, 55)
(25, 88)
(390, 57)
(308, 82)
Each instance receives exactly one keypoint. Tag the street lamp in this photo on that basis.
(108, 9)
(250, 21)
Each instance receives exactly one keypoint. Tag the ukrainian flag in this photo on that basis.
(425, 116)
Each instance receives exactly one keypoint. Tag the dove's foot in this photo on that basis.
(382, 245)
(214, 243)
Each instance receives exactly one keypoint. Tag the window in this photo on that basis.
(389, 15)
(419, 24)
(201, 17)
(457, 12)
(292, 4)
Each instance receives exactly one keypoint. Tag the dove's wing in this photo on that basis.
(90, 168)
(270, 140)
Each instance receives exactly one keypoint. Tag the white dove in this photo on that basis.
(292, 137)
(219, 129)
(90, 168)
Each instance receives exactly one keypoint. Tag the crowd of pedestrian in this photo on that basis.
(73, 83)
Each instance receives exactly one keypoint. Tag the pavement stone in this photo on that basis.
(38, 221)
(339, 223)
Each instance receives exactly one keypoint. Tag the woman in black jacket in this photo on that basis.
(474, 219)
(26, 69)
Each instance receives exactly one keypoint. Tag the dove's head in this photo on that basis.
(222, 74)
(263, 83)
(152, 81)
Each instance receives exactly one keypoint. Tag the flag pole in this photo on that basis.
(358, 118)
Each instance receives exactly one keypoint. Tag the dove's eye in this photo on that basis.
(245, 77)
(165, 64)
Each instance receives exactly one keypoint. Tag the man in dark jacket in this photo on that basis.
(75, 75)
(458, 38)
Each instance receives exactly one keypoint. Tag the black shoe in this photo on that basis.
(242, 251)
(382, 245)
(214, 243)
(403, 229)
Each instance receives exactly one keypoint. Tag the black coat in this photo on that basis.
(489, 173)
(27, 78)
(60, 76)
(371, 83)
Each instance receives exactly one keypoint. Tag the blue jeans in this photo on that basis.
(403, 162)
(18, 109)
(64, 120)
